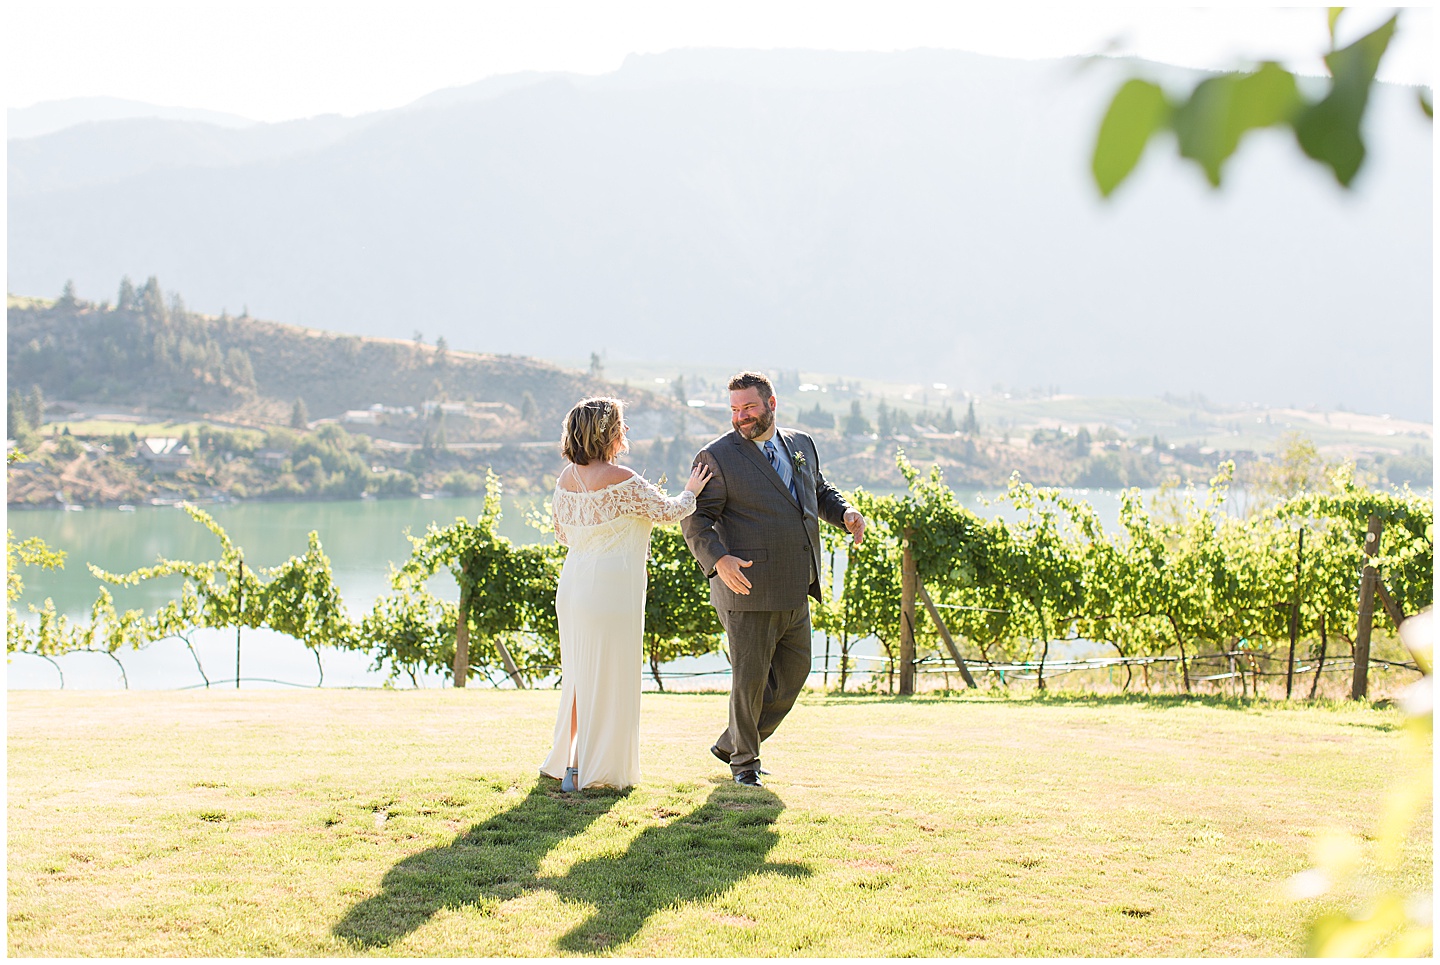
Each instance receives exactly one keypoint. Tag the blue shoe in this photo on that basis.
(572, 777)
(724, 758)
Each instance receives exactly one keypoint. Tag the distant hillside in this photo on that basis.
(149, 352)
(103, 152)
(47, 117)
(261, 410)
(923, 216)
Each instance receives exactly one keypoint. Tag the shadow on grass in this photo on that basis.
(695, 857)
(494, 860)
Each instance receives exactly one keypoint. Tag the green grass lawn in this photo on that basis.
(413, 823)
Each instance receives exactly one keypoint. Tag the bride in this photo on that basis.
(603, 512)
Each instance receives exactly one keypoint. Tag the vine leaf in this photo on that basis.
(1329, 131)
(1210, 123)
(1223, 109)
(1138, 110)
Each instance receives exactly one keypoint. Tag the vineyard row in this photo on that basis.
(1179, 581)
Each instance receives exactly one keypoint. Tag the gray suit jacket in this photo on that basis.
(746, 511)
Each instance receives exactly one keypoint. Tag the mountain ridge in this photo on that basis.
(47, 117)
(935, 224)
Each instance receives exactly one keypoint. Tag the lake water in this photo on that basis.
(362, 538)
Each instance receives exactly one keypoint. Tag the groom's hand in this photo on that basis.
(729, 568)
(855, 523)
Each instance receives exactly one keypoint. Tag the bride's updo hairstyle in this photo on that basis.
(592, 430)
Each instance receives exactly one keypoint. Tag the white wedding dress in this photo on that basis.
(600, 603)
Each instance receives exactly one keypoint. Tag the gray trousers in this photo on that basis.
(770, 662)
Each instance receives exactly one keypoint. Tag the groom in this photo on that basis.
(756, 533)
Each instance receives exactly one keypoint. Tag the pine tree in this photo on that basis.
(152, 300)
(35, 408)
(16, 425)
(680, 395)
(238, 368)
(67, 296)
(947, 423)
(125, 300)
(597, 368)
(971, 425)
(884, 424)
(527, 406)
(855, 423)
(299, 415)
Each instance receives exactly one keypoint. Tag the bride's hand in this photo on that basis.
(700, 474)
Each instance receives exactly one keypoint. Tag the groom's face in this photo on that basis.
(750, 414)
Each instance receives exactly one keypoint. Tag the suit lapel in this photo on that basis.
(753, 453)
(802, 483)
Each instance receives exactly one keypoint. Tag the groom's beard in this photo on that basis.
(756, 426)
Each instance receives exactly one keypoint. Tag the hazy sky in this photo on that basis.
(272, 60)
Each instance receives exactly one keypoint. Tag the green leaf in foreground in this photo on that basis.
(1210, 123)
(1223, 109)
(1329, 131)
(1137, 112)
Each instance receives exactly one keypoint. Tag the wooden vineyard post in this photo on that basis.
(1397, 615)
(1359, 684)
(1319, 664)
(460, 670)
(510, 666)
(239, 611)
(945, 635)
(1294, 618)
(908, 582)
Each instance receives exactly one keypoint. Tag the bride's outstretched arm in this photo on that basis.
(641, 498)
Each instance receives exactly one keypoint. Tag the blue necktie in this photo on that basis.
(786, 476)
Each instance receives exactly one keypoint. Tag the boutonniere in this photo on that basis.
(798, 458)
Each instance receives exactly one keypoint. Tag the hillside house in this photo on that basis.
(163, 455)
